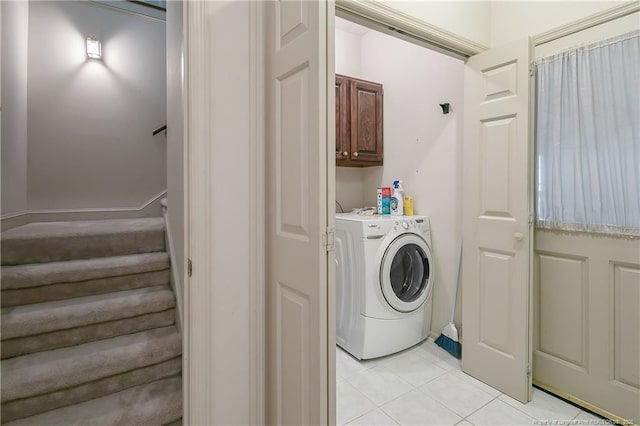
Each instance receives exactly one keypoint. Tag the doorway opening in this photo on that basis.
(422, 147)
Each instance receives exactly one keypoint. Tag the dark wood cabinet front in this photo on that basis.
(366, 121)
(343, 127)
(358, 122)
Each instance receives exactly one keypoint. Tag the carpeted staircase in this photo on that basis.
(88, 325)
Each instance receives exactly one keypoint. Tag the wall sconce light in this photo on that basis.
(94, 49)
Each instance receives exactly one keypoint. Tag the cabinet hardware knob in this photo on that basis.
(355, 154)
(518, 236)
(344, 154)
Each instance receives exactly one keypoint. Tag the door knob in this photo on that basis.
(344, 154)
(518, 236)
(355, 154)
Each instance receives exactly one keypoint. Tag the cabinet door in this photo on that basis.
(366, 122)
(342, 119)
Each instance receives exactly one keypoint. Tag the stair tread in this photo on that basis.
(57, 241)
(158, 402)
(39, 274)
(43, 372)
(87, 333)
(38, 230)
(46, 317)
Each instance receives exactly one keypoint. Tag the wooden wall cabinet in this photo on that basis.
(358, 122)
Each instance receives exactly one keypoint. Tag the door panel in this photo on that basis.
(496, 185)
(296, 213)
(494, 289)
(587, 316)
(292, 155)
(563, 294)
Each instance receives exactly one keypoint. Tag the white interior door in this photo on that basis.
(496, 231)
(296, 213)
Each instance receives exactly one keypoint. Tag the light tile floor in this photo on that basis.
(425, 385)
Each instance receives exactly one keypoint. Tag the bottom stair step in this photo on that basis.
(156, 403)
(45, 372)
(26, 407)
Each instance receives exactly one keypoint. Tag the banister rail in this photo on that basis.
(160, 129)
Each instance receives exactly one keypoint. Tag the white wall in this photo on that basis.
(493, 23)
(175, 126)
(422, 146)
(90, 122)
(515, 20)
(15, 30)
(348, 47)
(469, 19)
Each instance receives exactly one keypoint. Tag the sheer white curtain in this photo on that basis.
(588, 138)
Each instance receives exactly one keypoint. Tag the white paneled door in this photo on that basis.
(296, 214)
(496, 184)
(587, 317)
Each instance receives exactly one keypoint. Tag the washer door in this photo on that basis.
(406, 273)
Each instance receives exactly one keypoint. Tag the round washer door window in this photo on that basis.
(406, 273)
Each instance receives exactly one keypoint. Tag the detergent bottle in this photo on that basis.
(397, 199)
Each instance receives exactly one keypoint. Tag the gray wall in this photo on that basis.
(15, 28)
(90, 122)
(175, 168)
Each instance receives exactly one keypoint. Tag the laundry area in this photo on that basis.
(400, 123)
(421, 147)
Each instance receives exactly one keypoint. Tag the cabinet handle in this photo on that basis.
(518, 236)
(355, 154)
(344, 154)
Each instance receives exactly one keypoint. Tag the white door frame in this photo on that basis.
(199, 368)
(205, 363)
(197, 391)
(385, 19)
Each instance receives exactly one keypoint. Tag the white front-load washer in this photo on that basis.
(384, 282)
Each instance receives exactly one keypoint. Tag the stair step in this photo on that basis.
(51, 325)
(89, 333)
(43, 282)
(43, 372)
(39, 274)
(26, 407)
(56, 241)
(28, 320)
(158, 403)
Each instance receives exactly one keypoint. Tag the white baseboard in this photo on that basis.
(150, 208)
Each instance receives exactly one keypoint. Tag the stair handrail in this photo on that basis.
(160, 129)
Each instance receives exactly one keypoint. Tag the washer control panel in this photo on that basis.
(419, 225)
(407, 224)
(378, 229)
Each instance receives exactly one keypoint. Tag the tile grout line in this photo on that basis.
(367, 398)
(534, 418)
(447, 368)
(480, 408)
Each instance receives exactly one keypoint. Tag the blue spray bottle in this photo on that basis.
(397, 199)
